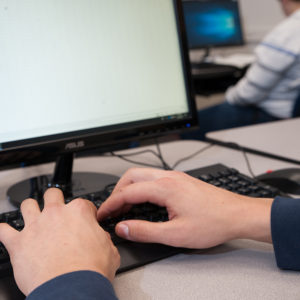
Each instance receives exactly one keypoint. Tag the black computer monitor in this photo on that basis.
(81, 75)
(213, 23)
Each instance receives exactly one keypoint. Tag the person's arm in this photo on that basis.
(58, 243)
(285, 223)
(263, 75)
(202, 216)
(274, 56)
(80, 285)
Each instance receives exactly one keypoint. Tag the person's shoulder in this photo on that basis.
(286, 35)
(292, 22)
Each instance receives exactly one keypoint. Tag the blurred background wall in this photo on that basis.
(259, 17)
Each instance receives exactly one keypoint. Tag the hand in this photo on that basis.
(60, 239)
(200, 215)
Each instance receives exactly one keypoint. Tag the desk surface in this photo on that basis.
(237, 270)
(196, 55)
(279, 138)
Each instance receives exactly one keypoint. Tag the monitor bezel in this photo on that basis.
(46, 149)
(241, 42)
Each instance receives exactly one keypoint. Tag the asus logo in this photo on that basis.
(75, 145)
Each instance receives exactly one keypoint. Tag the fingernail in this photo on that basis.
(124, 229)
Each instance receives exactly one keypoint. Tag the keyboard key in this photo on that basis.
(216, 183)
(234, 186)
(12, 215)
(253, 188)
(204, 177)
(224, 181)
(2, 218)
(4, 256)
(233, 178)
(226, 172)
(98, 203)
(17, 224)
(243, 183)
(265, 193)
(230, 179)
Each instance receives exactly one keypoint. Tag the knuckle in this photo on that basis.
(80, 203)
(52, 205)
(52, 209)
(135, 172)
(123, 192)
(27, 201)
(130, 172)
(3, 226)
(118, 259)
(83, 204)
(177, 173)
(53, 191)
(116, 255)
(166, 182)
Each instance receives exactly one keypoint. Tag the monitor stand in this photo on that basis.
(206, 54)
(205, 59)
(73, 185)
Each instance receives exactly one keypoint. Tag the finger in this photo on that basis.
(112, 214)
(53, 196)
(141, 192)
(84, 204)
(85, 209)
(148, 232)
(30, 210)
(135, 175)
(7, 236)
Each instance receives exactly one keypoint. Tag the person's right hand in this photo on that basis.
(200, 215)
(60, 239)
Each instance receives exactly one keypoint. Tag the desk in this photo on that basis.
(196, 55)
(277, 139)
(236, 270)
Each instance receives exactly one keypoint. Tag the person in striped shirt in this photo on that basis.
(270, 87)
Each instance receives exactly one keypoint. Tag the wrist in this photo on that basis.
(255, 219)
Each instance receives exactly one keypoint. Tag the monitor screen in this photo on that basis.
(77, 75)
(212, 23)
(95, 69)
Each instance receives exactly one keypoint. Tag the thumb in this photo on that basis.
(146, 232)
(8, 236)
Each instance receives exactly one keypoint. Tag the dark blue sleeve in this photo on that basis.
(85, 285)
(285, 227)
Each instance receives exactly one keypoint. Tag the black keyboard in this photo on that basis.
(137, 254)
(208, 69)
(231, 180)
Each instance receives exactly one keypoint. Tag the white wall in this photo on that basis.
(259, 17)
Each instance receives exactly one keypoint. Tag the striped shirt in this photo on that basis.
(272, 83)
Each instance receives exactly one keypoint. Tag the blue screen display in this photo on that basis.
(212, 23)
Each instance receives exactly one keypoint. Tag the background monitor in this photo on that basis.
(82, 74)
(213, 23)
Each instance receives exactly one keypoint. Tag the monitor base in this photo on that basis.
(82, 183)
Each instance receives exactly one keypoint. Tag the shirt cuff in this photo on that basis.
(285, 227)
(85, 285)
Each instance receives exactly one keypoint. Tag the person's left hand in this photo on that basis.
(60, 239)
